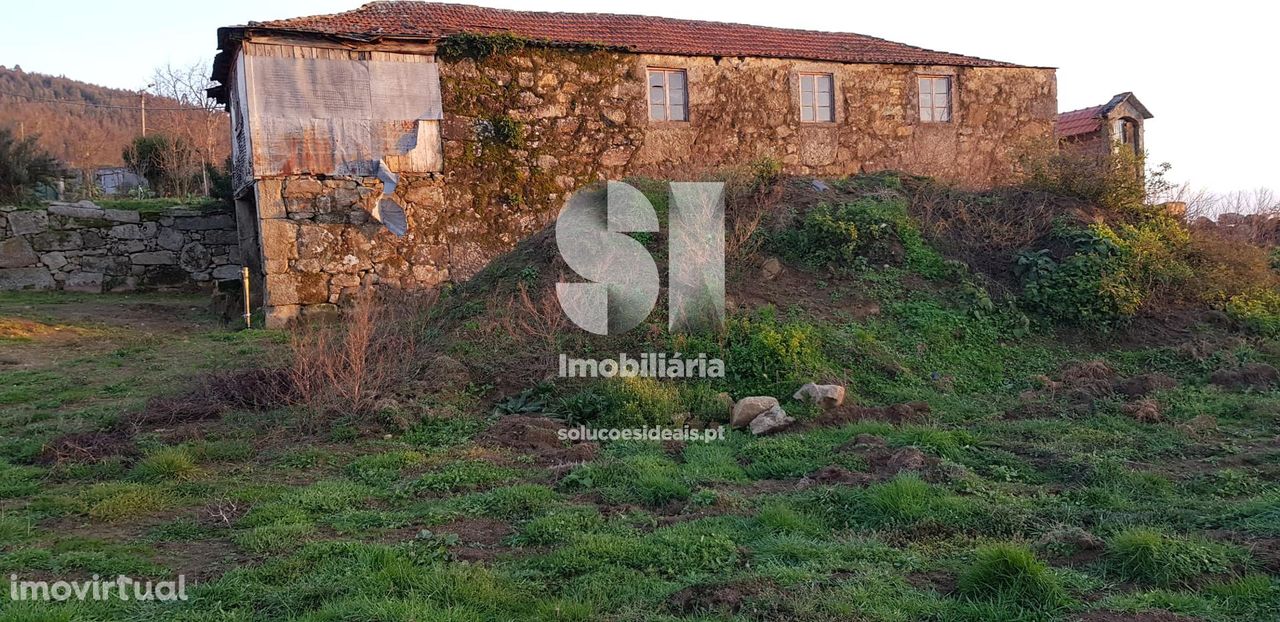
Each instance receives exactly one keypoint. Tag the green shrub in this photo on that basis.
(764, 356)
(1012, 574)
(639, 401)
(1257, 310)
(1153, 557)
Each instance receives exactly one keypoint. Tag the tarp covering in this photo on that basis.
(332, 116)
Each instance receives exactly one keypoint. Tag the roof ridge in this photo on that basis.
(383, 5)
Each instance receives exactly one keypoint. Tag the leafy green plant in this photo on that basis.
(1258, 310)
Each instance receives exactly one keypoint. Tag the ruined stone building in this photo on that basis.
(1114, 125)
(405, 144)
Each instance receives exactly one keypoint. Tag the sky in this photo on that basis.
(1189, 63)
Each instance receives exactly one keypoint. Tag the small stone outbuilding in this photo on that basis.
(406, 144)
(1103, 129)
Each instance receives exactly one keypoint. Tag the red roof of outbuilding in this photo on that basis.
(1077, 122)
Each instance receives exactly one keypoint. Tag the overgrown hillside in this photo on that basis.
(1061, 404)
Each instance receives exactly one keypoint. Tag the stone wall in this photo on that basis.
(85, 248)
(522, 131)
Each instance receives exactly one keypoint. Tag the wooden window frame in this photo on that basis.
(831, 103)
(666, 93)
(933, 106)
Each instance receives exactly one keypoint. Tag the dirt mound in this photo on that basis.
(538, 437)
(1255, 376)
(883, 463)
(722, 598)
(906, 412)
(1143, 385)
(1082, 383)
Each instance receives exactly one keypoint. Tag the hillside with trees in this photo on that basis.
(87, 126)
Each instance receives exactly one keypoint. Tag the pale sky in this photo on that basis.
(1189, 63)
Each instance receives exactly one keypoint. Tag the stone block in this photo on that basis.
(121, 215)
(269, 198)
(169, 238)
(202, 223)
(57, 241)
(78, 211)
(221, 236)
(54, 260)
(226, 273)
(90, 282)
(154, 258)
(27, 221)
(194, 257)
(25, 278)
(279, 239)
(133, 232)
(16, 253)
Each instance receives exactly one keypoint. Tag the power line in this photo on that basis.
(68, 102)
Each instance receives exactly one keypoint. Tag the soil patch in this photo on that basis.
(538, 437)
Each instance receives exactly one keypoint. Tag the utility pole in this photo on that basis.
(142, 97)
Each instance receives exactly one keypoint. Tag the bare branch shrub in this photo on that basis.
(537, 316)
(343, 368)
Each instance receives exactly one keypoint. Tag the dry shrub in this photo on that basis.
(750, 194)
(987, 229)
(1226, 267)
(215, 395)
(535, 316)
(343, 367)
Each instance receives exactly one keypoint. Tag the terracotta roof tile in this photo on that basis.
(636, 33)
(1077, 122)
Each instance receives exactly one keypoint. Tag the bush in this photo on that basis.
(1012, 574)
(1113, 181)
(23, 166)
(764, 356)
(1257, 310)
(1109, 273)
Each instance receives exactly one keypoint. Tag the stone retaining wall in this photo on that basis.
(83, 247)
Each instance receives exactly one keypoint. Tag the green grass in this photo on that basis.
(1157, 558)
(1012, 574)
(431, 520)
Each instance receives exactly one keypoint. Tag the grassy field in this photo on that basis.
(988, 472)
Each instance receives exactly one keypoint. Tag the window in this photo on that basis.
(1125, 133)
(935, 99)
(817, 99)
(668, 97)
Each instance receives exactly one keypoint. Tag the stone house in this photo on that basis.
(1102, 129)
(405, 144)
